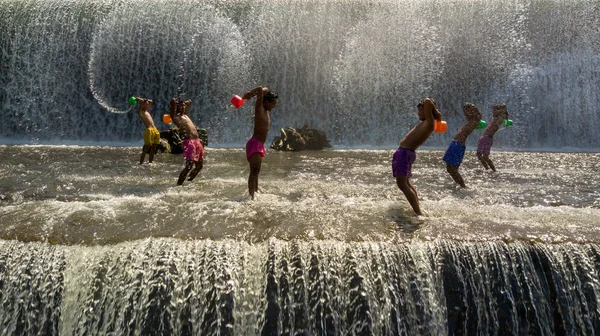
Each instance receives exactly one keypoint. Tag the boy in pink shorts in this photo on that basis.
(405, 156)
(255, 147)
(484, 145)
(192, 147)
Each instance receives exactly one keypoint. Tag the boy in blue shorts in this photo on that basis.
(456, 151)
(405, 156)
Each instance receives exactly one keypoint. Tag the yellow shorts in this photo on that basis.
(151, 136)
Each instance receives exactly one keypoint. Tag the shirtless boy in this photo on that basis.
(193, 151)
(255, 147)
(484, 145)
(456, 151)
(405, 156)
(151, 134)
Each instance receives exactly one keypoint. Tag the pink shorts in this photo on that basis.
(484, 145)
(254, 146)
(193, 150)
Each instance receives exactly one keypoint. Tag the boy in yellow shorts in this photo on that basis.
(151, 134)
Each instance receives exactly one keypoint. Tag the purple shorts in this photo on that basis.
(254, 146)
(402, 162)
(484, 145)
(193, 150)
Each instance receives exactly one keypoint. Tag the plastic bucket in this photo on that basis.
(167, 119)
(482, 124)
(440, 126)
(237, 101)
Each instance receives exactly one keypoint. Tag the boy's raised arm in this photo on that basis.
(259, 92)
(429, 107)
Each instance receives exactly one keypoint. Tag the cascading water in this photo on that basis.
(353, 69)
(168, 287)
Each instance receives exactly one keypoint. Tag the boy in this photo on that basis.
(456, 151)
(255, 147)
(405, 156)
(151, 134)
(192, 147)
(484, 145)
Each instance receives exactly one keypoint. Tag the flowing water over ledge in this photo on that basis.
(94, 244)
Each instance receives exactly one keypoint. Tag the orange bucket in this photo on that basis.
(440, 126)
(167, 119)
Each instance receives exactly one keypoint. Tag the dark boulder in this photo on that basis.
(292, 139)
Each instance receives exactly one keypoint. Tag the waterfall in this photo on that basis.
(354, 69)
(204, 287)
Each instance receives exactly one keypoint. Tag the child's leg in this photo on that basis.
(144, 151)
(188, 166)
(410, 193)
(152, 151)
(453, 171)
(255, 163)
(197, 169)
(489, 162)
(483, 161)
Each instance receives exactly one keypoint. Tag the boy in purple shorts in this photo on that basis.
(484, 145)
(456, 151)
(405, 156)
(193, 151)
(255, 147)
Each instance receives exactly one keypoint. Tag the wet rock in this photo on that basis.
(292, 139)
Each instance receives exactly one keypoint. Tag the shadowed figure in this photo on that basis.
(456, 151)
(151, 134)
(484, 145)
(193, 151)
(405, 156)
(255, 147)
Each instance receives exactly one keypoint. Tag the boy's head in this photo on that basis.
(270, 100)
(471, 112)
(500, 111)
(421, 110)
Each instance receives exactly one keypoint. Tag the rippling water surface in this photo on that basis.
(100, 195)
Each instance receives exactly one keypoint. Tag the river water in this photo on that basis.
(95, 244)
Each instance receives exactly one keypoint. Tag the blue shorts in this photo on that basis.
(455, 154)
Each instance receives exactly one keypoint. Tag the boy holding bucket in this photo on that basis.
(193, 151)
(151, 134)
(456, 151)
(405, 156)
(484, 145)
(255, 147)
